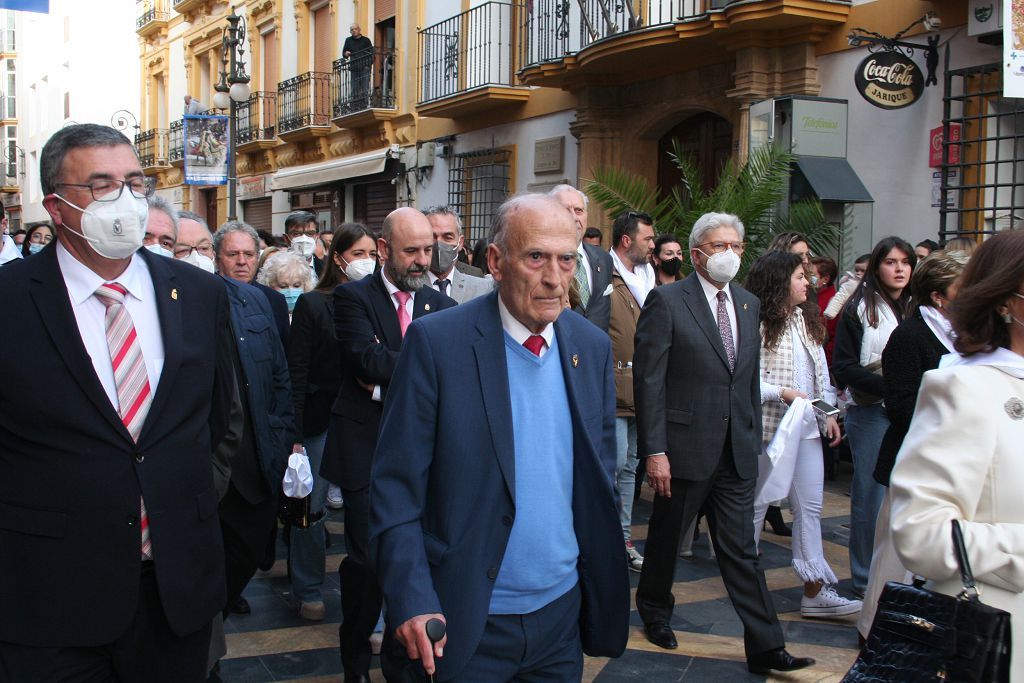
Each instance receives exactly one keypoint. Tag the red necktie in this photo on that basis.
(403, 314)
(534, 343)
(130, 377)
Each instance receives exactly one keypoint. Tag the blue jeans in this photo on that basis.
(865, 427)
(625, 470)
(308, 552)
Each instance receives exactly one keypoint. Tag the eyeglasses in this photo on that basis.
(719, 247)
(109, 190)
(182, 250)
(299, 232)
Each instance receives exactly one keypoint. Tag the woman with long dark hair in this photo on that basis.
(793, 366)
(316, 376)
(881, 302)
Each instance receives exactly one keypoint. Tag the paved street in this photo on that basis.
(274, 644)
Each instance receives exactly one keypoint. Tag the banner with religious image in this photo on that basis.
(1013, 48)
(206, 150)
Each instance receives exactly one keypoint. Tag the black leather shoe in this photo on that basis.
(660, 633)
(239, 606)
(776, 660)
(774, 518)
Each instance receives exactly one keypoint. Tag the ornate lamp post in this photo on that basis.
(232, 89)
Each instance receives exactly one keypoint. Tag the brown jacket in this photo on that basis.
(625, 311)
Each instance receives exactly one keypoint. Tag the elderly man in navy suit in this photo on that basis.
(503, 530)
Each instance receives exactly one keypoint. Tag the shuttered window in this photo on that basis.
(372, 202)
(271, 61)
(322, 40)
(383, 9)
(258, 213)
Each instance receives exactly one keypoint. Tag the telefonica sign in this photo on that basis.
(889, 80)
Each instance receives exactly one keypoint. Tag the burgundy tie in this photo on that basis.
(403, 314)
(534, 343)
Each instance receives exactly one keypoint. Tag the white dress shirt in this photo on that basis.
(519, 331)
(711, 293)
(450, 276)
(90, 313)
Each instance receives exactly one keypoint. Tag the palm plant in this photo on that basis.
(751, 191)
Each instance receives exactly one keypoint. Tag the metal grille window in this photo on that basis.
(478, 182)
(982, 182)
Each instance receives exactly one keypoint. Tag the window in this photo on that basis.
(12, 82)
(11, 154)
(478, 182)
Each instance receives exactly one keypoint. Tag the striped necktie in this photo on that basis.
(582, 282)
(130, 377)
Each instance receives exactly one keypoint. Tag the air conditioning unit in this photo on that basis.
(984, 17)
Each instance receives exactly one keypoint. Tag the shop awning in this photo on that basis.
(833, 179)
(369, 163)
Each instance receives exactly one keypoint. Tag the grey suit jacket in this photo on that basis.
(687, 400)
(465, 287)
(467, 269)
(599, 308)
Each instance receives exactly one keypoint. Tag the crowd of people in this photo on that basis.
(196, 370)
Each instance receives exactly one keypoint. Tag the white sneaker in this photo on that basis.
(828, 603)
(633, 556)
(334, 500)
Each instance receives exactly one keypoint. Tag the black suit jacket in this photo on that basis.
(599, 308)
(369, 339)
(687, 400)
(72, 476)
(313, 362)
(279, 307)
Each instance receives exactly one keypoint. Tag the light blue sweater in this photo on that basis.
(540, 560)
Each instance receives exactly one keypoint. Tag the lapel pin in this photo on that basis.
(575, 360)
(1014, 408)
(744, 307)
(174, 294)
(426, 307)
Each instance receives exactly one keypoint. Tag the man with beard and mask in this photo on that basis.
(303, 236)
(698, 407)
(632, 279)
(593, 278)
(161, 226)
(667, 259)
(446, 275)
(370, 319)
(122, 577)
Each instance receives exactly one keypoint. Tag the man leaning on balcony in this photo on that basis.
(358, 51)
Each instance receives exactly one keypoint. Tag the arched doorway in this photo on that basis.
(707, 138)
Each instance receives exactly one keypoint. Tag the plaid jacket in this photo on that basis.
(777, 369)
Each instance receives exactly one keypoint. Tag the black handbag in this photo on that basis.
(921, 635)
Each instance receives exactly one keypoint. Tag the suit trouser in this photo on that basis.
(148, 652)
(728, 501)
(361, 597)
(246, 529)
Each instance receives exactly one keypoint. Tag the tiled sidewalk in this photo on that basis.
(274, 644)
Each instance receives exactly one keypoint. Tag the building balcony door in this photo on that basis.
(706, 138)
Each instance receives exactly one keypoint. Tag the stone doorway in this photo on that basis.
(707, 138)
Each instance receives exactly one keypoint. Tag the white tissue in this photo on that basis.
(298, 478)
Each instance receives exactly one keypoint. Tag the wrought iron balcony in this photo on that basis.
(176, 142)
(153, 18)
(467, 62)
(362, 85)
(304, 106)
(152, 148)
(256, 122)
(182, 6)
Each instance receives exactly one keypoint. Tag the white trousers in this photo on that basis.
(806, 483)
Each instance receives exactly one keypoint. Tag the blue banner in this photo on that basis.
(26, 5)
(206, 150)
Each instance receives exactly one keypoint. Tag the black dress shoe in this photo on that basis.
(776, 660)
(239, 606)
(660, 633)
(774, 518)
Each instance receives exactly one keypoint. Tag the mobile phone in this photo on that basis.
(826, 409)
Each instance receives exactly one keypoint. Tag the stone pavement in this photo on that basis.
(274, 644)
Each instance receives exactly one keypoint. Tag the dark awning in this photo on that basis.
(833, 179)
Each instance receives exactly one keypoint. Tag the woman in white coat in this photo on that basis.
(962, 457)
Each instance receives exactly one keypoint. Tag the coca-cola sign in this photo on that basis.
(889, 80)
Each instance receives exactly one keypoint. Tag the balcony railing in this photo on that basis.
(176, 141)
(257, 119)
(152, 147)
(304, 102)
(156, 12)
(365, 81)
(470, 50)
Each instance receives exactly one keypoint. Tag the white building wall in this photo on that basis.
(889, 148)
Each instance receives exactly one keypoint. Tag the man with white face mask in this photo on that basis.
(194, 244)
(161, 226)
(302, 231)
(139, 350)
(448, 275)
(698, 410)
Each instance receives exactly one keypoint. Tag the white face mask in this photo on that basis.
(359, 268)
(160, 249)
(304, 244)
(114, 229)
(722, 267)
(199, 261)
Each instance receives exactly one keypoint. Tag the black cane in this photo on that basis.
(435, 632)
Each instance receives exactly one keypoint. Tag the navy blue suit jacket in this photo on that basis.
(72, 476)
(442, 493)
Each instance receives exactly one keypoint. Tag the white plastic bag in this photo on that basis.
(298, 477)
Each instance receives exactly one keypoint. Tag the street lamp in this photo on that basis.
(122, 119)
(232, 89)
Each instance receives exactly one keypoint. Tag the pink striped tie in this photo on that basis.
(133, 393)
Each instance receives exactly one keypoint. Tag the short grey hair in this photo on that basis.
(709, 222)
(284, 264)
(158, 203)
(563, 187)
(51, 161)
(234, 226)
(444, 210)
(192, 216)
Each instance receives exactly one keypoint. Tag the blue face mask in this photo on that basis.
(35, 248)
(291, 295)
